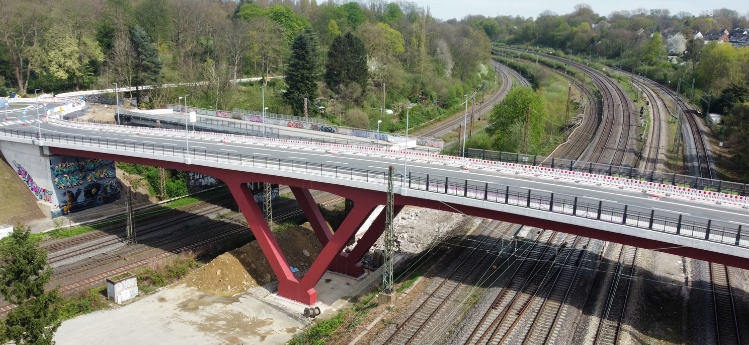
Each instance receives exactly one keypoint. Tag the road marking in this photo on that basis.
(296, 158)
(665, 210)
(228, 150)
(336, 162)
(490, 177)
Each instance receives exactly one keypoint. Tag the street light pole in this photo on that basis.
(465, 123)
(117, 102)
(405, 148)
(187, 131)
(38, 123)
(377, 137)
(263, 88)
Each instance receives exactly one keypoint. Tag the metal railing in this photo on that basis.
(693, 182)
(665, 222)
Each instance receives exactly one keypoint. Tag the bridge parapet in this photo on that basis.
(540, 170)
(510, 197)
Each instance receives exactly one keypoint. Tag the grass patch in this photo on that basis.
(149, 279)
(409, 283)
(281, 227)
(164, 273)
(85, 302)
(324, 330)
(82, 229)
(195, 198)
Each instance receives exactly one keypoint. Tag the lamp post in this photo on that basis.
(187, 130)
(38, 123)
(377, 137)
(117, 102)
(465, 123)
(263, 88)
(405, 148)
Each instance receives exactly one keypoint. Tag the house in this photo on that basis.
(721, 36)
(739, 37)
(698, 35)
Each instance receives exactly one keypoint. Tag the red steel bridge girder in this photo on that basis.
(364, 202)
(300, 290)
(350, 263)
(313, 215)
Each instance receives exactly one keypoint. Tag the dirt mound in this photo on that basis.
(247, 267)
(138, 185)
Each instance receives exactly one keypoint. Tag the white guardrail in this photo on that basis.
(655, 190)
(68, 106)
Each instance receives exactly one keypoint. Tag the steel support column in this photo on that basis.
(300, 290)
(313, 215)
(350, 263)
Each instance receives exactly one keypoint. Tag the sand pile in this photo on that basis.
(246, 267)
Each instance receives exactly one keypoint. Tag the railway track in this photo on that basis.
(581, 136)
(650, 156)
(477, 258)
(156, 244)
(547, 325)
(610, 321)
(534, 264)
(478, 110)
(726, 324)
(701, 155)
(615, 143)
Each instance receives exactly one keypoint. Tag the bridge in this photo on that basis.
(700, 223)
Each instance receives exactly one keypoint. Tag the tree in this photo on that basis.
(22, 24)
(677, 44)
(717, 67)
(347, 62)
(692, 51)
(356, 118)
(150, 15)
(653, 49)
(392, 13)
(24, 275)
(507, 120)
(354, 14)
(147, 66)
(382, 42)
(301, 72)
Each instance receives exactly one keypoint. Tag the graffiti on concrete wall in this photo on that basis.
(197, 181)
(81, 183)
(258, 191)
(39, 192)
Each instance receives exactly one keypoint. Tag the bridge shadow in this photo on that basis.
(661, 304)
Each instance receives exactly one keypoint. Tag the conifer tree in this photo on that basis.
(147, 63)
(24, 273)
(302, 73)
(347, 63)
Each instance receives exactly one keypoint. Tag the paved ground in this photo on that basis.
(185, 316)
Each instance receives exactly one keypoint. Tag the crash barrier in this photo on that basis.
(313, 124)
(605, 211)
(657, 189)
(660, 177)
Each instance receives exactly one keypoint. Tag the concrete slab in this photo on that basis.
(183, 315)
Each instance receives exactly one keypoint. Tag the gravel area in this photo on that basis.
(654, 311)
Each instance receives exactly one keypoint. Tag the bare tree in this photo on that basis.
(22, 25)
(236, 44)
(122, 60)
